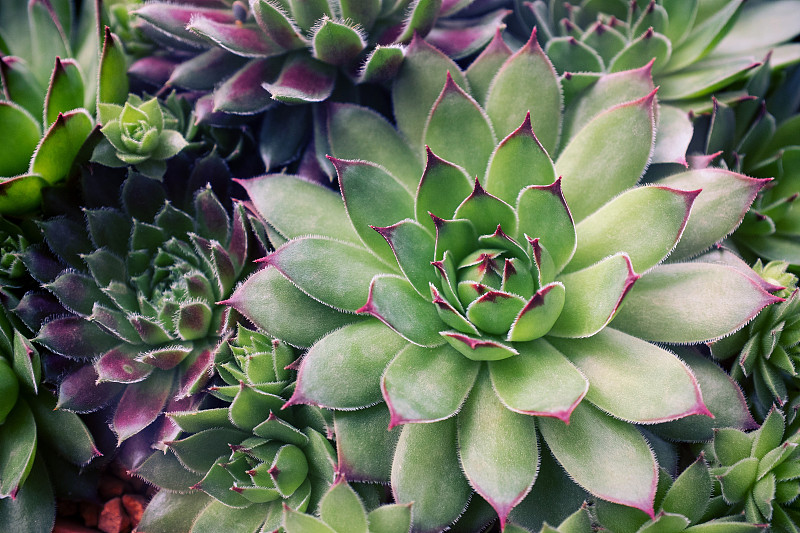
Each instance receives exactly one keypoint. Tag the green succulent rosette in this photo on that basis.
(479, 316)
(249, 458)
(137, 285)
(758, 473)
(41, 447)
(136, 135)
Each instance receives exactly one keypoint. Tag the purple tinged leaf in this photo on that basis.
(529, 66)
(75, 338)
(648, 235)
(154, 70)
(36, 307)
(544, 214)
(479, 349)
(151, 331)
(543, 261)
(497, 448)
(486, 212)
(79, 392)
(593, 296)
(524, 383)
(164, 358)
(77, 292)
(500, 241)
(193, 321)
(121, 365)
(691, 302)
(246, 40)
(461, 38)
(212, 221)
(238, 245)
(422, 15)
(413, 247)
(65, 91)
(725, 256)
(395, 302)
(173, 19)
(495, 312)
(441, 190)
(539, 314)
(203, 71)
(242, 93)
(140, 405)
(447, 272)
(373, 198)
(458, 129)
(450, 315)
(278, 24)
(673, 135)
(448, 377)
(458, 237)
(303, 79)
(590, 176)
(198, 368)
(223, 268)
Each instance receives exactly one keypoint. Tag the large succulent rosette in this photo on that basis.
(485, 315)
(139, 284)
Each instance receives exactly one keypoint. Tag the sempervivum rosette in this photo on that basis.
(140, 284)
(249, 458)
(498, 312)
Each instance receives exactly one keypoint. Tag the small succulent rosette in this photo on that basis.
(128, 300)
(492, 282)
(758, 473)
(136, 135)
(250, 458)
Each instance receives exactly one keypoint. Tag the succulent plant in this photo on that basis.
(484, 310)
(341, 509)
(136, 135)
(139, 283)
(30, 431)
(685, 504)
(251, 56)
(758, 473)
(248, 456)
(46, 110)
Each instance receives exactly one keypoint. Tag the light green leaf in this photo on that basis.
(342, 510)
(607, 457)
(373, 197)
(394, 302)
(747, 33)
(413, 247)
(459, 131)
(482, 70)
(278, 24)
(17, 448)
(539, 314)
(704, 36)
(690, 493)
(171, 511)
(497, 448)
(426, 471)
(510, 96)
(170, 142)
(113, 76)
(544, 214)
(517, 162)
(21, 194)
(718, 209)
(673, 134)
(356, 354)
(593, 296)
(645, 222)
(737, 481)
(427, 384)
(690, 302)
(217, 516)
(65, 91)
(364, 445)
(335, 43)
(607, 156)
(628, 377)
(571, 55)
(374, 140)
(19, 136)
(704, 78)
(418, 85)
(394, 518)
(641, 50)
(285, 308)
(333, 272)
(60, 145)
(295, 522)
(441, 190)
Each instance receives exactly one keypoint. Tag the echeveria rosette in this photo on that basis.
(490, 298)
(766, 350)
(136, 135)
(141, 284)
(250, 458)
(36, 441)
(758, 473)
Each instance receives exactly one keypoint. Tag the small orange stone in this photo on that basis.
(113, 518)
(134, 506)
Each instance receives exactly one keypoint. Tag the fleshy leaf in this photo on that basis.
(479, 348)
(420, 19)
(359, 354)
(673, 135)
(592, 448)
(382, 64)
(17, 448)
(459, 131)
(241, 93)
(335, 42)
(278, 24)
(60, 145)
(646, 223)
(486, 212)
(441, 190)
(75, 337)
(395, 302)
(121, 365)
(364, 446)
(373, 198)
(112, 76)
(343, 510)
(627, 377)
(690, 302)
(448, 377)
(482, 70)
(141, 403)
(65, 91)
(333, 272)
(302, 80)
(539, 314)
(510, 97)
(462, 38)
(593, 296)
(518, 161)
(497, 448)
(242, 39)
(426, 471)
(494, 311)
(717, 210)
(649, 45)
(413, 247)
(590, 176)
(544, 215)
(521, 381)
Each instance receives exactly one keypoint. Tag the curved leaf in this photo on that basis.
(141, 404)
(302, 80)
(242, 39)
(441, 190)
(482, 70)
(691, 302)
(413, 248)
(544, 215)
(18, 441)
(364, 446)
(60, 145)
